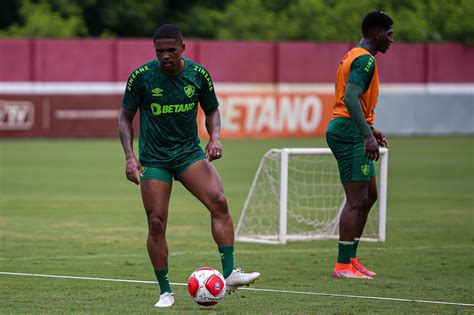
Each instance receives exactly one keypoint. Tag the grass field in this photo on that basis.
(67, 209)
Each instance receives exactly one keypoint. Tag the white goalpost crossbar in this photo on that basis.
(296, 194)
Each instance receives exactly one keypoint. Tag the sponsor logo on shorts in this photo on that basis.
(189, 90)
(144, 169)
(365, 169)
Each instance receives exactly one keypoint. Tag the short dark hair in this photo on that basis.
(168, 31)
(376, 19)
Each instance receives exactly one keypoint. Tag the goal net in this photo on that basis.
(297, 195)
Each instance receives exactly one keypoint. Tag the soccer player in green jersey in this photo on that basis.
(354, 141)
(167, 91)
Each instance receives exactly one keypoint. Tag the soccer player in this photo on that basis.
(167, 91)
(354, 140)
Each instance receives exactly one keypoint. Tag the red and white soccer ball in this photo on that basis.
(206, 286)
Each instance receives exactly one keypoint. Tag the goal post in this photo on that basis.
(296, 194)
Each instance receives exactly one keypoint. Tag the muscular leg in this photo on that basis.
(364, 211)
(352, 215)
(203, 181)
(360, 198)
(156, 196)
(353, 211)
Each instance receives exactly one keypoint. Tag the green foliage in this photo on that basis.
(248, 19)
(434, 20)
(455, 20)
(199, 22)
(40, 20)
(326, 20)
(126, 18)
(315, 20)
(9, 12)
(318, 19)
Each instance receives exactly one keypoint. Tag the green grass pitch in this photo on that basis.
(67, 209)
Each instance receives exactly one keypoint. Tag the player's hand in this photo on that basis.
(380, 137)
(214, 150)
(371, 147)
(131, 168)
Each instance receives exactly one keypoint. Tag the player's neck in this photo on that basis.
(367, 44)
(180, 68)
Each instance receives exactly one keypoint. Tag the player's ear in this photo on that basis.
(377, 33)
(183, 46)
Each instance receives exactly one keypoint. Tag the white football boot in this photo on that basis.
(239, 278)
(166, 300)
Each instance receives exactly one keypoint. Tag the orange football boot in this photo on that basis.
(358, 266)
(347, 271)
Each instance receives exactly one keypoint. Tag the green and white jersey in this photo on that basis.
(168, 110)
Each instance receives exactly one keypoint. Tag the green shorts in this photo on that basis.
(347, 145)
(173, 169)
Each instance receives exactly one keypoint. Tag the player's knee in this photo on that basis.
(372, 198)
(358, 204)
(219, 204)
(156, 226)
(216, 198)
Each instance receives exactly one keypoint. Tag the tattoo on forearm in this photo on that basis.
(126, 133)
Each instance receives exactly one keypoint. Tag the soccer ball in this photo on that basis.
(206, 286)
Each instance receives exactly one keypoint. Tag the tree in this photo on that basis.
(125, 18)
(314, 20)
(39, 20)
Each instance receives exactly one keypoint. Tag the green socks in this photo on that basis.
(345, 252)
(162, 277)
(227, 260)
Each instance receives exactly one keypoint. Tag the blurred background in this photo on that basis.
(64, 64)
(313, 20)
(67, 209)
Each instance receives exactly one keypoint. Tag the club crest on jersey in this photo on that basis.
(189, 90)
(365, 169)
(157, 92)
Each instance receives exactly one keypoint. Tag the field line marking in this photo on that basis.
(359, 297)
(246, 289)
(78, 278)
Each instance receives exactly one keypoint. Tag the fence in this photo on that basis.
(73, 88)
